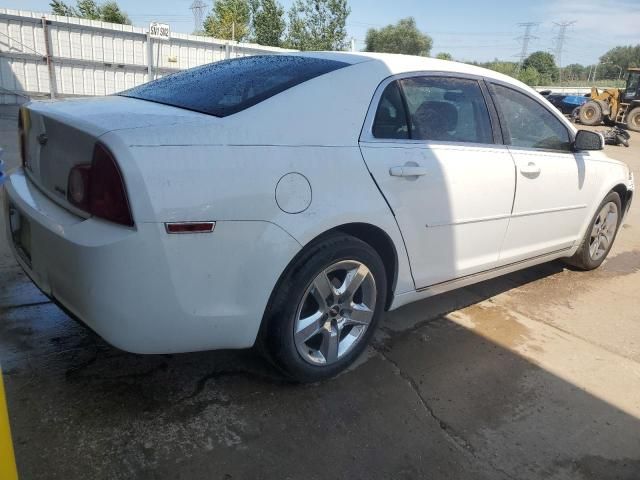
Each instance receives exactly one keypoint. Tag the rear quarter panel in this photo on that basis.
(238, 183)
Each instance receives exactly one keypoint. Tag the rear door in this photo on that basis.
(430, 146)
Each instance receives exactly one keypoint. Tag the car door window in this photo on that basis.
(529, 124)
(447, 109)
(634, 80)
(391, 116)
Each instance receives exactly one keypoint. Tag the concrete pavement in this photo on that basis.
(535, 375)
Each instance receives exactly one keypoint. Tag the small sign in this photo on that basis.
(159, 30)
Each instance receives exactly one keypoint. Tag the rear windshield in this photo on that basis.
(227, 87)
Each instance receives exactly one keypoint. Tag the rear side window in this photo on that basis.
(227, 87)
(391, 116)
(528, 124)
(447, 110)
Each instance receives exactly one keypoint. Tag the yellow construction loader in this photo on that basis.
(615, 106)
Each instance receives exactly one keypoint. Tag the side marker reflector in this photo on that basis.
(190, 227)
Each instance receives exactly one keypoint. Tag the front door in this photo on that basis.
(554, 184)
(430, 148)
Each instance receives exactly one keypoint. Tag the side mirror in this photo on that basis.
(587, 140)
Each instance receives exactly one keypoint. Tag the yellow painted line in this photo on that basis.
(7, 459)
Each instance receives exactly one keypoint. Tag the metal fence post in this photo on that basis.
(49, 57)
(149, 57)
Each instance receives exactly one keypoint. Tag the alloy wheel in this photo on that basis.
(335, 312)
(603, 231)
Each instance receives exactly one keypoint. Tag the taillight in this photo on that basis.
(99, 188)
(22, 139)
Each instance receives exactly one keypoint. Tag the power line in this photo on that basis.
(526, 39)
(559, 43)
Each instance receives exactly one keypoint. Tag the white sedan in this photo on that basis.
(288, 200)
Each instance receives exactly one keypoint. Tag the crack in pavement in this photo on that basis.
(24, 305)
(202, 381)
(457, 440)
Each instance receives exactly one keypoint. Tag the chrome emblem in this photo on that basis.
(42, 139)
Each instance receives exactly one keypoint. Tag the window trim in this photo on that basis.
(506, 135)
(366, 134)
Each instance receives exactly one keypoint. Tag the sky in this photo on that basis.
(468, 29)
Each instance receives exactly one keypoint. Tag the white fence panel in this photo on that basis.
(86, 57)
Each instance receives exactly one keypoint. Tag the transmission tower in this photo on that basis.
(526, 39)
(198, 8)
(559, 43)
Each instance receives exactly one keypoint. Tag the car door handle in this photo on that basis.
(531, 169)
(407, 171)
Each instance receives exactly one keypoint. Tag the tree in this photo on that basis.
(506, 68)
(444, 56)
(111, 13)
(228, 20)
(575, 71)
(544, 63)
(318, 25)
(267, 21)
(624, 57)
(530, 76)
(403, 37)
(60, 8)
(89, 9)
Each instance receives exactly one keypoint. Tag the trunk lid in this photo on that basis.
(61, 134)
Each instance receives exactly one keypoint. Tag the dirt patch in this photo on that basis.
(592, 467)
(624, 263)
(493, 322)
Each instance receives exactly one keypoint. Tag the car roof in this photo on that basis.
(398, 64)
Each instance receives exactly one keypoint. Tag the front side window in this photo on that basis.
(447, 110)
(528, 124)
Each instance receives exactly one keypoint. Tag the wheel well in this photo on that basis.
(625, 195)
(381, 243)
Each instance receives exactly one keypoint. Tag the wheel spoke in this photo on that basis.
(595, 231)
(323, 292)
(359, 314)
(603, 216)
(330, 344)
(604, 241)
(352, 282)
(309, 326)
(593, 248)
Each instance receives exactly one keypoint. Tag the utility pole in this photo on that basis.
(197, 8)
(559, 41)
(526, 39)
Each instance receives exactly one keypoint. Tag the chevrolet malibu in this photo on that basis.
(287, 201)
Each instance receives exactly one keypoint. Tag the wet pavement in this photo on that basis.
(535, 375)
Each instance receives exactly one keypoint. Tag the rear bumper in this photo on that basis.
(145, 291)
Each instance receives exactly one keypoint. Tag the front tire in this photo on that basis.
(600, 235)
(325, 309)
(591, 113)
(633, 120)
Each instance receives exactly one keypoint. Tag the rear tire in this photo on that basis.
(633, 120)
(600, 235)
(591, 113)
(315, 326)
